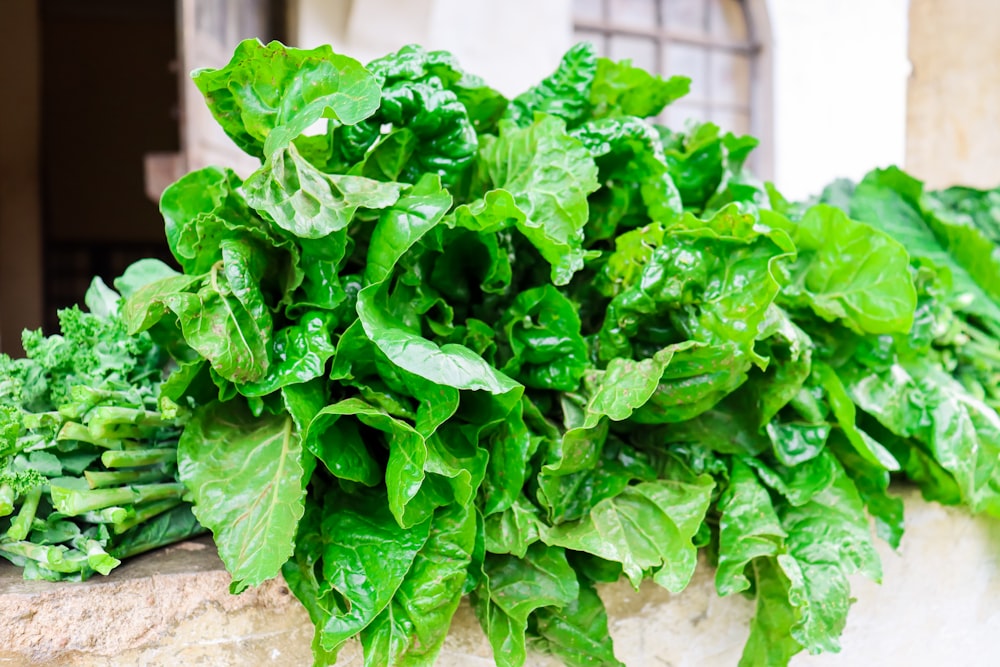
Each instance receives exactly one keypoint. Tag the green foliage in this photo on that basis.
(458, 344)
(87, 461)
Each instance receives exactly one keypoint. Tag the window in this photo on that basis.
(719, 44)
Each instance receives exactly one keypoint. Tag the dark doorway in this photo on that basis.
(109, 97)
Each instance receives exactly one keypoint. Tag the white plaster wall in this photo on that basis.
(840, 67)
(511, 44)
(840, 75)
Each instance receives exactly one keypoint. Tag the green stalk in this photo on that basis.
(114, 422)
(7, 497)
(21, 525)
(107, 515)
(77, 431)
(98, 559)
(144, 513)
(134, 458)
(101, 479)
(55, 557)
(74, 502)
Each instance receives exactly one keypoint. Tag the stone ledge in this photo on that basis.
(940, 605)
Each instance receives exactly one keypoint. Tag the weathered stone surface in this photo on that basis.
(939, 605)
(953, 101)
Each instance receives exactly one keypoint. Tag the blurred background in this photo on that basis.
(99, 115)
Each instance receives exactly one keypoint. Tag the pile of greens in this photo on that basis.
(445, 343)
(87, 460)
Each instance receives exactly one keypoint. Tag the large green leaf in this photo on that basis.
(748, 529)
(549, 174)
(890, 200)
(245, 477)
(402, 225)
(846, 270)
(412, 628)
(623, 89)
(305, 202)
(450, 365)
(513, 588)
(647, 526)
(366, 559)
(578, 633)
(281, 91)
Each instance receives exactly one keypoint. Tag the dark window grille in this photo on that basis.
(714, 42)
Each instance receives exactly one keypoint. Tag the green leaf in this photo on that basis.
(623, 89)
(542, 328)
(748, 529)
(578, 633)
(890, 200)
(412, 628)
(245, 476)
(514, 529)
(299, 353)
(843, 409)
(770, 642)
(141, 273)
(366, 558)
(571, 495)
(514, 587)
(403, 224)
(304, 201)
(339, 445)
(203, 208)
(483, 104)
(828, 539)
(849, 271)
(511, 445)
(565, 93)
(268, 95)
(649, 525)
(450, 365)
(549, 174)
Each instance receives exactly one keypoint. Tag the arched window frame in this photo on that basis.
(758, 104)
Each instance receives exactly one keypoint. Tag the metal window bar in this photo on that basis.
(663, 34)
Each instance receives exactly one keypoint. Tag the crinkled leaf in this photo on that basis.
(549, 174)
(514, 587)
(281, 91)
(748, 529)
(308, 203)
(649, 525)
(542, 328)
(514, 529)
(245, 476)
(846, 270)
(623, 89)
(412, 628)
(565, 93)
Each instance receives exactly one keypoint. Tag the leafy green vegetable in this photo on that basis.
(458, 344)
(87, 461)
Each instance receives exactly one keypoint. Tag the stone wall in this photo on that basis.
(939, 605)
(953, 107)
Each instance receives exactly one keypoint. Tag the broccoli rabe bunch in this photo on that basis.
(87, 460)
